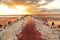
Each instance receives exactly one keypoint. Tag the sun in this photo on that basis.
(21, 8)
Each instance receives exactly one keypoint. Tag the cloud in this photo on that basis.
(53, 5)
(5, 1)
(19, 0)
(45, 2)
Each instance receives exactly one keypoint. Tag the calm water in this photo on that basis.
(57, 22)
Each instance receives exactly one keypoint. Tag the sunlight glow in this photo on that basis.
(21, 8)
(18, 10)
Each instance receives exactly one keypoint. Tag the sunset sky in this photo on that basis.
(27, 9)
(53, 5)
